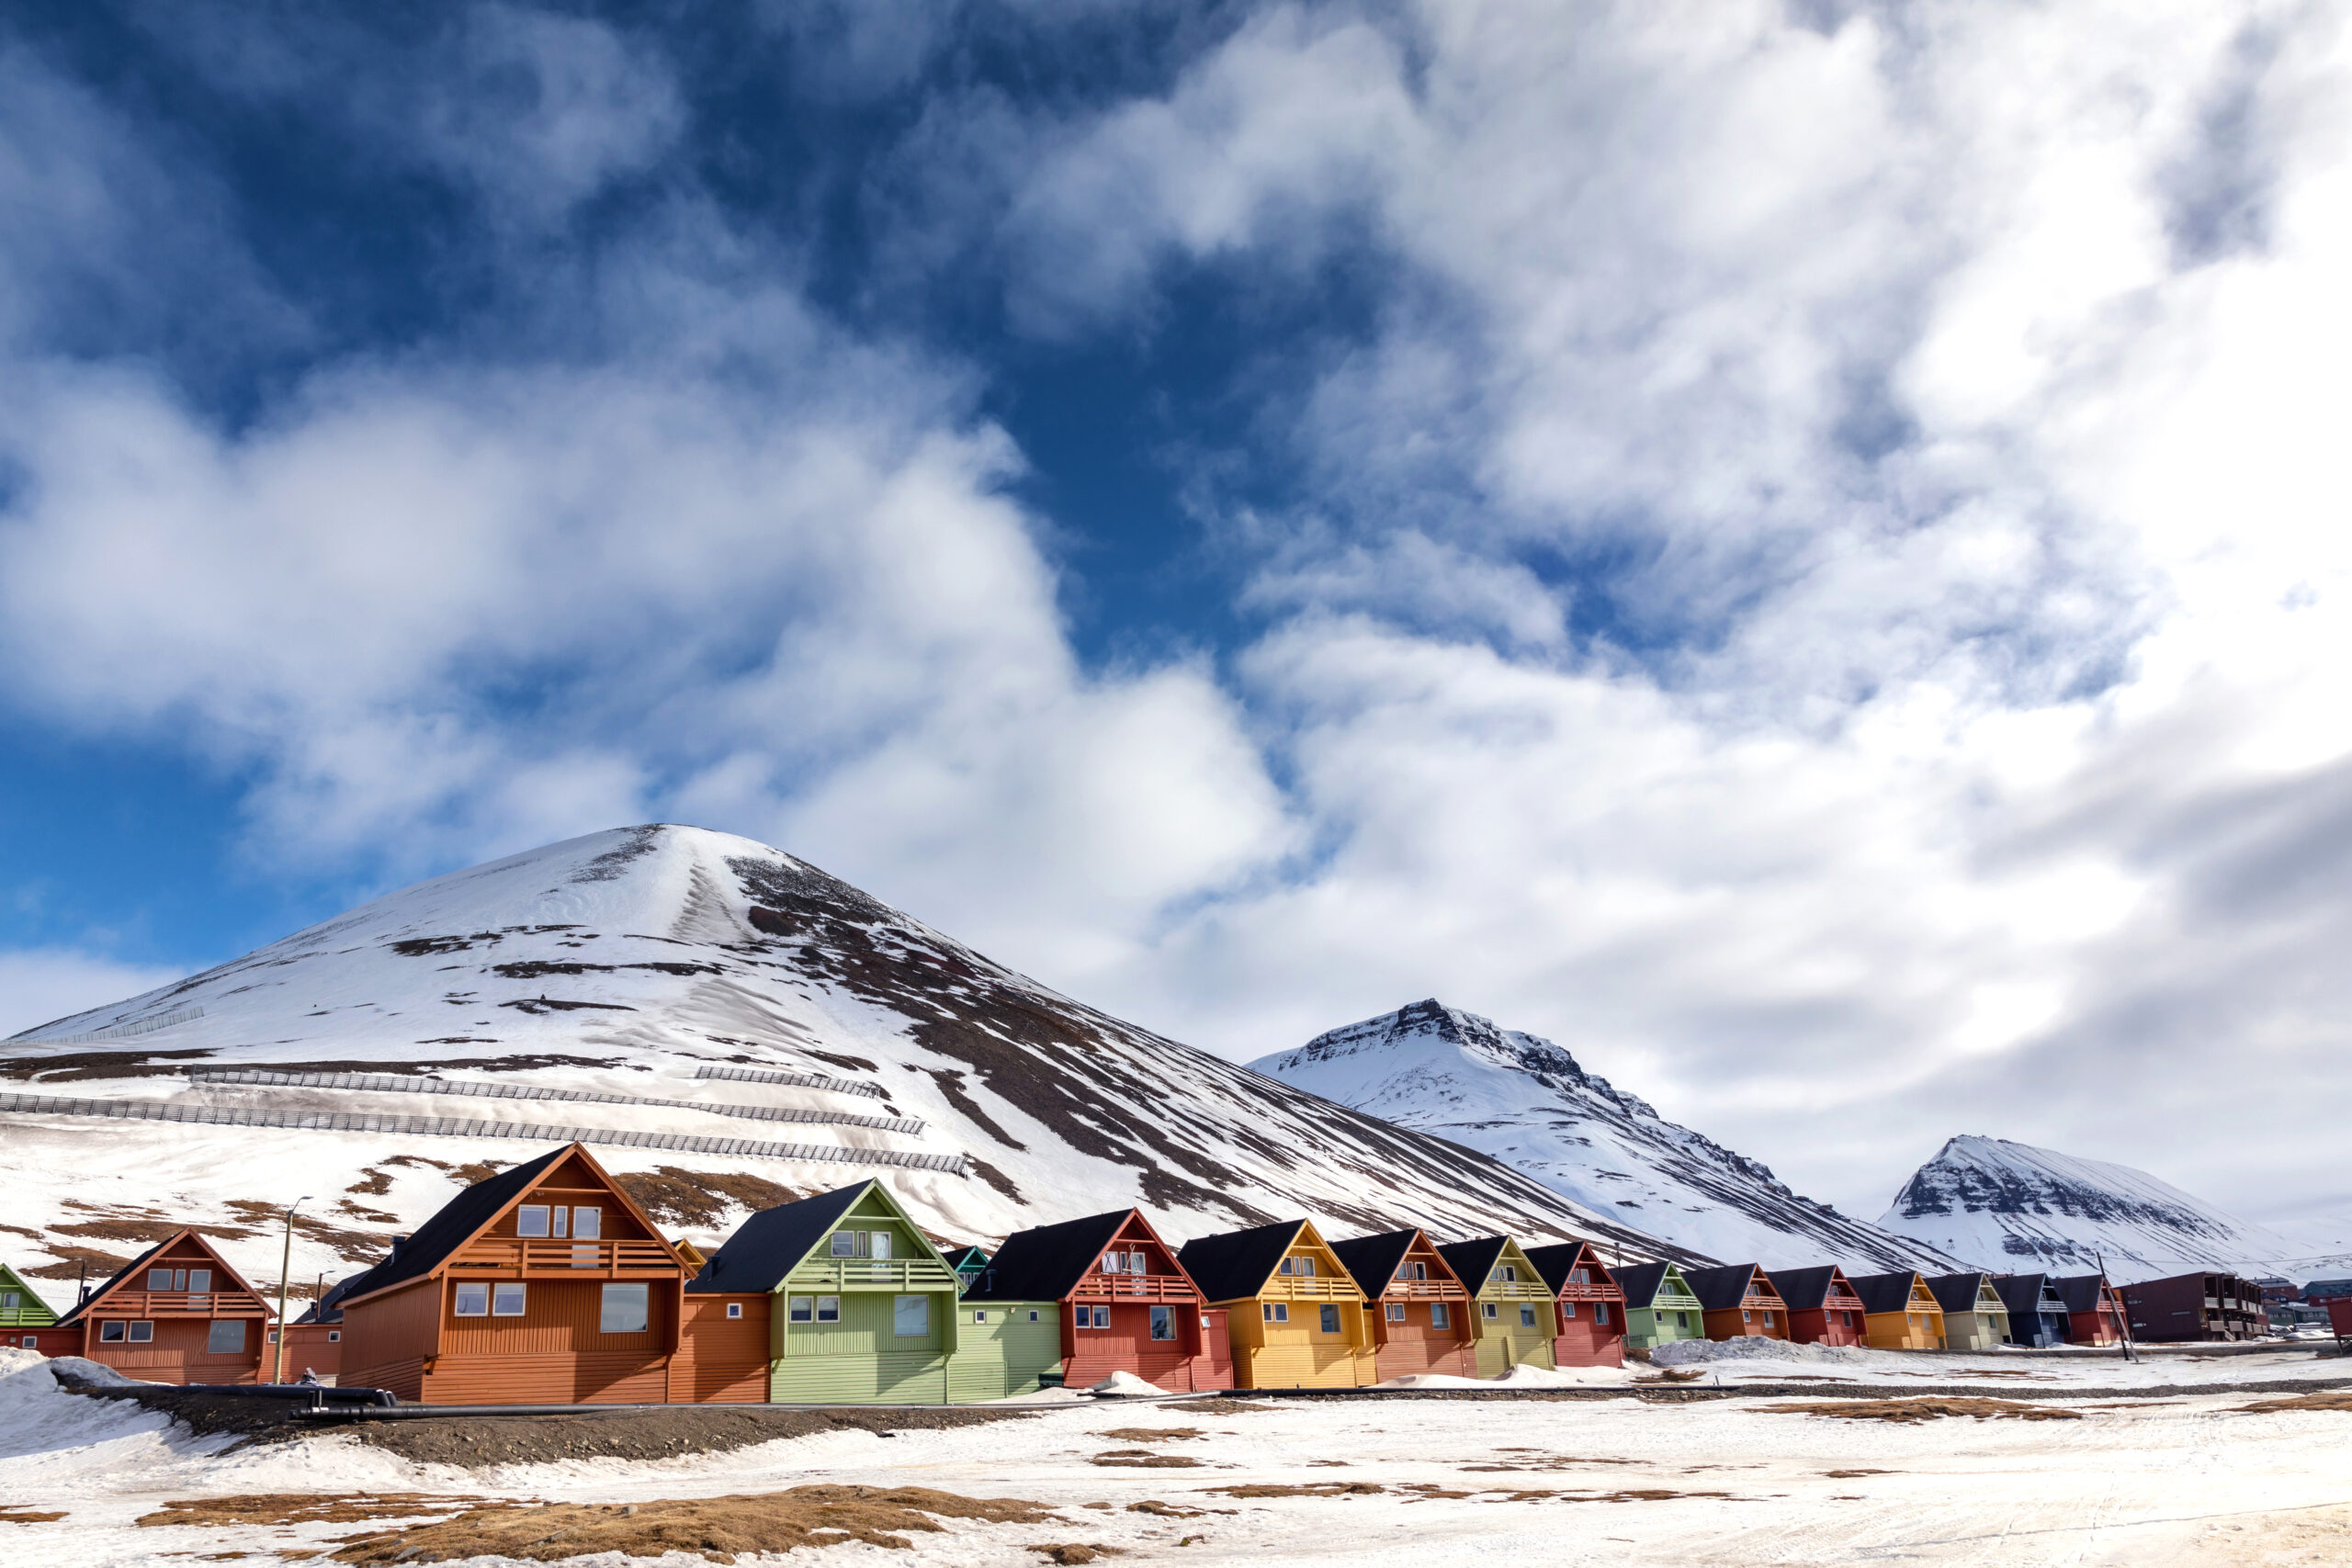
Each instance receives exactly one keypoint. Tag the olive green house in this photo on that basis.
(1659, 1307)
(20, 1307)
(861, 1309)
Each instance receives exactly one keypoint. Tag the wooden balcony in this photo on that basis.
(1517, 1289)
(1137, 1287)
(1312, 1288)
(906, 1274)
(525, 1256)
(148, 1304)
(1424, 1291)
(1572, 1291)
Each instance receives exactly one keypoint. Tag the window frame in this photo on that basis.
(463, 1290)
(212, 1346)
(498, 1297)
(1276, 1312)
(1396, 1311)
(1526, 1315)
(734, 1310)
(899, 1305)
(528, 1216)
(621, 1290)
(139, 1338)
(1327, 1319)
(1440, 1316)
(122, 1331)
(594, 1217)
(799, 1309)
(1490, 1312)
(823, 1315)
(1163, 1325)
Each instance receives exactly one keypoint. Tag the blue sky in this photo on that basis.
(1790, 548)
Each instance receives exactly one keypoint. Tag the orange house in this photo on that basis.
(1590, 1304)
(177, 1314)
(1422, 1313)
(1738, 1300)
(545, 1284)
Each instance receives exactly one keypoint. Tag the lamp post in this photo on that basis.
(284, 1268)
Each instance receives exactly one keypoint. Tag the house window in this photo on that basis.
(980, 1317)
(506, 1300)
(1163, 1323)
(1330, 1319)
(1492, 1311)
(1277, 1311)
(161, 1279)
(1033, 1315)
(1101, 1318)
(531, 1219)
(473, 1301)
(1568, 1309)
(804, 1309)
(1507, 1273)
(227, 1337)
(334, 1336)
(1412, 1271)
(1745, 1315)
(1439, 1316)
(32, 1341)
(861, 1244)
(587, 1225)
(1681, 1320)
(1396, 1311)
(625, 1309)
(10, 1301)
(910, 1317)
(1581, 1276)
(735, 1309)
(829, 1309)
(1600, 1313)
(200, 1280)
(110, 1333)
(142, 1332)
(1527, 1317)
(1302, 1267)
(879, 1243)
(1287, 1265)
(1768, 1320)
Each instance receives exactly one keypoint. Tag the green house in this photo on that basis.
(20, 1307)
(863, 1310)
(1659, 1308)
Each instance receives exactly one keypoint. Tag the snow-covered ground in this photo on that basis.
(2153, 1480)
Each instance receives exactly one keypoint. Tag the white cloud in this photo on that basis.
(39, 983)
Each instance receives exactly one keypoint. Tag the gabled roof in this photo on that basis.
(1556, 1261)
(1373, 1260)
(2021, 1293)
(2081, 1292)
(1473, 1260)
(329, 1307)
(1724, 1289)
(1642, 1281)
(1885, 1292)
(1237, 1263)
(130, 1270)
(457, 1222)
(966, 1258)
(1805, 1290)
(1045, 1263)
(772, 1243)
(1957, 1292)
(16, 1281)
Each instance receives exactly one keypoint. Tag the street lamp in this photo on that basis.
(284, 1270)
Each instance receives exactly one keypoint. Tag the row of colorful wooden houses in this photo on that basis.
(548, 1284)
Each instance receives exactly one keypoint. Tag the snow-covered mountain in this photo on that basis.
(2008, 1206)
(752, 1026)
(1525, 1101)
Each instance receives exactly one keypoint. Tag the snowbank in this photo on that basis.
(1518, 1377)
(1126, 1385)
(39, 1416)
(1756, 1347)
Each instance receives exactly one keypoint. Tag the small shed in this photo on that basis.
(1740, 1301)
(1659, 1307)
(1822, 1307)
(177, 1314)
(1899, 1312)
(2037, 1312)
(2094, 1309)
(544, 1284)
(314, 1340)
(21, 1311)
(1297, 1318)
(966, 1260)
(1121, 1305)
(1515, 1318)
(1974, 1317)
(1589, 1302)
(1422, 1317)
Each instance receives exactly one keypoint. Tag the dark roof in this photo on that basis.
(1956, 1292)
(1237, 1263)
(2021, 1293)
(117, 1277)
(456, 1222)
(1720, 1289)
(1045, 1263)
(1554, 1261)
(1805, 1289)
(770, 1244)
(1473, 1260)
(1884, 1292)
(972, 1256)
(1374, 1259)
(1642, 1281)
(329, 1307)
(2081, 1291)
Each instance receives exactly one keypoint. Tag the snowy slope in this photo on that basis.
(2005, 1205)
(616, 966)
(1525, 1101)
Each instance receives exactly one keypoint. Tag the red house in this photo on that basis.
(177, 1314)
(1823, 1308)
(545, 1284)
(1422, 1320)
(2094, 1310)
(1590, 1304)
(1126, 1304)
(1740, 1301)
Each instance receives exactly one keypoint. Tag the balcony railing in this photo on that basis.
(1572, 1291)
(1425, 1290)
(1312, 1288)
(1517, 1289)
(1139, 1287)
(181, 1304)
(533, 1254)
(872, 1274)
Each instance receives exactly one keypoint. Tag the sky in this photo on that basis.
(1798, 551)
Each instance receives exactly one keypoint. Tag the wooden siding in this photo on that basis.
(1524, 1323)
(178, 1353)
(1828, 1325)
(1298, 1353)
(723, 1361)
(889, 1378)
(1091, 1354)
(314, 1347)
(387, 1338)
(1584, 1340)
(29, 1310)
(1001, 1346)
(1978, 1330)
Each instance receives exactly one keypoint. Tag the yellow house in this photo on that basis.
(1296, 1316)
(1510, 1304)
(1899, 1312)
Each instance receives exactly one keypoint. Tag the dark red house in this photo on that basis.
(1823, 1308)
(2094, 1309)
(1590, 1305)
(1126, 1304)
(175, 1314)
(2209, 1305)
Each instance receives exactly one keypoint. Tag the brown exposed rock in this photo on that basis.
(699, 1198)
(1924, 1410)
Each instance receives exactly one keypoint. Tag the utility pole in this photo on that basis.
(2130, 1354)
(284, 1268)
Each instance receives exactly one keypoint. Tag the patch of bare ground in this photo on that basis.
(699, 1198)
(1158, 1509)
(2325, 1399)
(352, 1246)
(306, 1508)
(1077, 1551)
(10, 1515)
(1852, 1475)
(1546, 1462)
(1144, 1458)
(1672, 1374)
(718, 1529)
(1924, 1410)
(372, 1183)
(73, 1262)
(1224, 1406)
(1255, 1489)
(1152, 1434)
